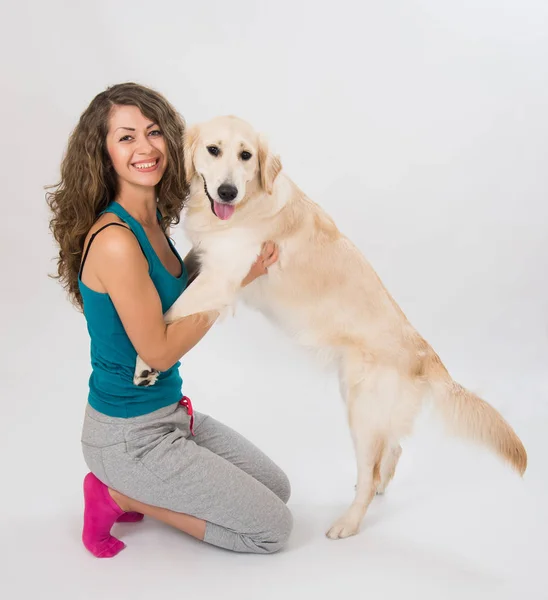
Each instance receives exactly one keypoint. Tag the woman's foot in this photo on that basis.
(100, 514)
(130, 517)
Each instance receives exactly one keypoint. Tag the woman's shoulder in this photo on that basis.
(105, 219)
(114, 247)
(114, 231)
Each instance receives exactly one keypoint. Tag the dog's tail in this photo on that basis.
(469, 416)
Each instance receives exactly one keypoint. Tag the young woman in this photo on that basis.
(122, 186)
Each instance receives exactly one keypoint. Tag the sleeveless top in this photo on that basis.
(111, 388)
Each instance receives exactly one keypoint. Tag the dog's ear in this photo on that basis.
(189, 146)
(269, 165)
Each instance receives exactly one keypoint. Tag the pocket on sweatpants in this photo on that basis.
(161, 453)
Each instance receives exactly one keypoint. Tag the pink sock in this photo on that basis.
(100, 514)
(130, 517)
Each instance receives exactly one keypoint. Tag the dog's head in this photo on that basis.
(232, 161)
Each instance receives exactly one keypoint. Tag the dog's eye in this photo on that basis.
(213, 150)
(245, 155)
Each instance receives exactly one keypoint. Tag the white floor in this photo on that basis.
(474, 538)
(455, 523)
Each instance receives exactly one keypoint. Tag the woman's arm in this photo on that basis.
(123, 271)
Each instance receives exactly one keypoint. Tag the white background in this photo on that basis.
(421, 127)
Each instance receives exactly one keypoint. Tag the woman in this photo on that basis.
(122, 186)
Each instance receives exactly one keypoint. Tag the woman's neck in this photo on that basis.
(140, 203)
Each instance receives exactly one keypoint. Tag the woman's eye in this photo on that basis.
(125, 138)
(245, 155)
(156, 132)
(213, 150)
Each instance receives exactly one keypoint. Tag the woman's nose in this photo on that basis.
(144, 146)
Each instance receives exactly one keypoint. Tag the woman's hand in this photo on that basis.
(268, 256)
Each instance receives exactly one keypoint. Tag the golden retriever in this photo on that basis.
(324, 293)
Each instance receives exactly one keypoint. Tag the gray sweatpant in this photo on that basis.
(217, 475)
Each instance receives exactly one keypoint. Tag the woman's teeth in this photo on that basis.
(145, 165)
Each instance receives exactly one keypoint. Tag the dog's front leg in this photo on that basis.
(209, 292)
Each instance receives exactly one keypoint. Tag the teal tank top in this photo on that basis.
(111, 388)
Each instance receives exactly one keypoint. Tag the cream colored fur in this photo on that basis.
(324, 293)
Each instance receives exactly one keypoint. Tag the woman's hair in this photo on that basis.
(89, 182)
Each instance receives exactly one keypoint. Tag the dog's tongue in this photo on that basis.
(223, 211)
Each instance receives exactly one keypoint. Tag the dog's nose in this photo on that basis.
(227, 192)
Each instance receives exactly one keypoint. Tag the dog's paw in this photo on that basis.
(144, 376)
(342, 529)
(345, 526)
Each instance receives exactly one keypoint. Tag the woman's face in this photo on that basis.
(136, 147)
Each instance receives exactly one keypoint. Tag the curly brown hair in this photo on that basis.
(88, 180)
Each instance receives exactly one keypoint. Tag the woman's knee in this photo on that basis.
(276, 536)
(284, 528)
(282, 487)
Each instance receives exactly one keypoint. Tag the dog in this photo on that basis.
(326, 296)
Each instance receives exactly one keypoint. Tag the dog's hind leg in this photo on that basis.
(381, 409)
(389, 462)
(370, 440)
(368, 453)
